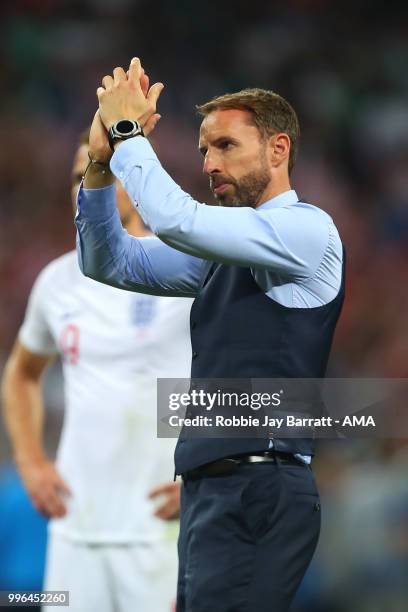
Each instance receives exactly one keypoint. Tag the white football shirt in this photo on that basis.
(114, 344)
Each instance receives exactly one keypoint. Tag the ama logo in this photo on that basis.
(359, 421)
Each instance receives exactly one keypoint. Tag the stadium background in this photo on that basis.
(344, 68)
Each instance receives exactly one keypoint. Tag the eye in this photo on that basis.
(203, 151)
(225, 144)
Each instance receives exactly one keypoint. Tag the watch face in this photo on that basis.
(125, 127)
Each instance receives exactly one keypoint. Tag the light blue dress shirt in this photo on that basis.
(292, 248)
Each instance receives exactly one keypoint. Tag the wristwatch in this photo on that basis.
(124, 129)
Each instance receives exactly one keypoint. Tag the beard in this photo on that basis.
(247, 190)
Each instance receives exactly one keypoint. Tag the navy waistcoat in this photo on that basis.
(239, 332)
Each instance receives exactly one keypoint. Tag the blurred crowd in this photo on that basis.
(343, 67)
(344, 72)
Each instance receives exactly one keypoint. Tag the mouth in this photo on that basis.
(221, 188)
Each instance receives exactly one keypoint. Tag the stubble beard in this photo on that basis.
(248, 189)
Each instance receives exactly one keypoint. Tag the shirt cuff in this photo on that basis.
(97, 204)
(131, 153)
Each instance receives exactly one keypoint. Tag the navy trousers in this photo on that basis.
(246, 538)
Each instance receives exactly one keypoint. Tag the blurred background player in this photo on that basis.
(110, 542)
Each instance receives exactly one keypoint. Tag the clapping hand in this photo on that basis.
(125, 95)
(122, 97)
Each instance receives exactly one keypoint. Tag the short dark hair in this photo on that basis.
(271, 114)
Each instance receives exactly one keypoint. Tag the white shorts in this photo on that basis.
(112, 578)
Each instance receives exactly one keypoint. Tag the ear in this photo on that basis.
(279, 148)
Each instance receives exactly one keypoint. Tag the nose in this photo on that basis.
(211, 163)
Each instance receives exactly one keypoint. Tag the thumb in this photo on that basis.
(160, 489)
(154, 93)
(151, 124)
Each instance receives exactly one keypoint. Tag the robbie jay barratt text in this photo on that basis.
(290, 421)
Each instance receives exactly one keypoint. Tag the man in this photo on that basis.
(110, 545)
(266, 271)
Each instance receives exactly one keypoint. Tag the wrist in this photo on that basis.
(101, 159)
(32, 459)
(123, 130)
(97, 174)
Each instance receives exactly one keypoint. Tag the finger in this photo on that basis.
(63, 487)
(60, 510)
(135, 70)
(55, 511)
(41, 509)
(49, 505)
(154, 93)
(118, 75)
(151, 124)
(100, 91)
(167, 510)
(107, 81)
(127, 72)
(160, 489)
(55, 505)
(144, 83)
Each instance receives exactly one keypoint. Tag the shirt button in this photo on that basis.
(195, 354)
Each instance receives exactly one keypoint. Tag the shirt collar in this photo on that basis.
(283, 199)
